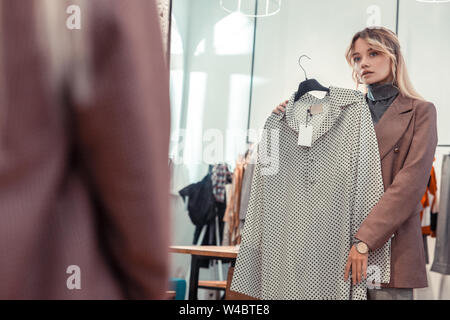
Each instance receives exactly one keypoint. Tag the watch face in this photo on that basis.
(362, 247)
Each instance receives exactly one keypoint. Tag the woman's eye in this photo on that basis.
(356, 59)
(374, 53)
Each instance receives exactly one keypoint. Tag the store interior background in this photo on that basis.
(228, 71)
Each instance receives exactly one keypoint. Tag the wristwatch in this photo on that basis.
(361, 247)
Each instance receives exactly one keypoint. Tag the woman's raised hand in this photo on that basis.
(281, 107)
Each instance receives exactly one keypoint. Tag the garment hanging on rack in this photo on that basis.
(441, 261)
(203, 208)
(307, 203)
(231, 217)
(246, 184)
(226, 226)
(238, 197)
(220, 176)
(429, 213)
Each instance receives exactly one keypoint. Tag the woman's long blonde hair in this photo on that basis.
(385, 41)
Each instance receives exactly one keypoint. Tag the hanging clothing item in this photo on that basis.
(441, 262)
(428, 215)
(379, 97)
(246, 185)
(201, 201)
(231, 217)
(226, 235)
(203, 210)
(307, 203)
(209, 238)
(425, 247)
(220, 177)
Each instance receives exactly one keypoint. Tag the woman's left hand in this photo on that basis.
(357, 262)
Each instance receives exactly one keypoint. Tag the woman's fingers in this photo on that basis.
(358, 271)
(281, 107)
(364, 270)
(347, 269)
(354, 272)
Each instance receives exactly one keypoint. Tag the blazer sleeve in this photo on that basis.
(123, 134)
(400, 200)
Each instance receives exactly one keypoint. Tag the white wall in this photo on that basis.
(424, 32)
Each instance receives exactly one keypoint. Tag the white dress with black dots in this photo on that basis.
(307, 203)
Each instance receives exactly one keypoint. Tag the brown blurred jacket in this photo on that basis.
(407, 139)
(84, 178)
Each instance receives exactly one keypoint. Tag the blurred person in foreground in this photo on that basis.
(84, 129)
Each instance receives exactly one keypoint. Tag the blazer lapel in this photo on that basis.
(393, 124)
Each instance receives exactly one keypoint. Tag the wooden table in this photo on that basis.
(224, 253)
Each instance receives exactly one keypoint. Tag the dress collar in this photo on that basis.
(381, 91)
(336, 99)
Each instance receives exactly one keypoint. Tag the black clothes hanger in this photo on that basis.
(308, 84)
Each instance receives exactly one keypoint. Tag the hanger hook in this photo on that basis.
(300, 63)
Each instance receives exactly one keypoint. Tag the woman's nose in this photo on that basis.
(364, 64)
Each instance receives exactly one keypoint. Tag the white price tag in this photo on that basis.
(305, 135)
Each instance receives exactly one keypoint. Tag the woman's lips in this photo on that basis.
(367, 73)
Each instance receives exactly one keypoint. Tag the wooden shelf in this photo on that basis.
(212, 284)
(209, 251)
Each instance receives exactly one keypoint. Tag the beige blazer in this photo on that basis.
(84, 179)
(407, 139)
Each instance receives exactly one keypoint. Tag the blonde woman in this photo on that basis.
(405, 126)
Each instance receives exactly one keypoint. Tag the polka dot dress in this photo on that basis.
(306, 203)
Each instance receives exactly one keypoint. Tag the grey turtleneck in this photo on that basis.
(379, 97)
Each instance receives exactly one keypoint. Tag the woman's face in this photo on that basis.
(371, 66)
